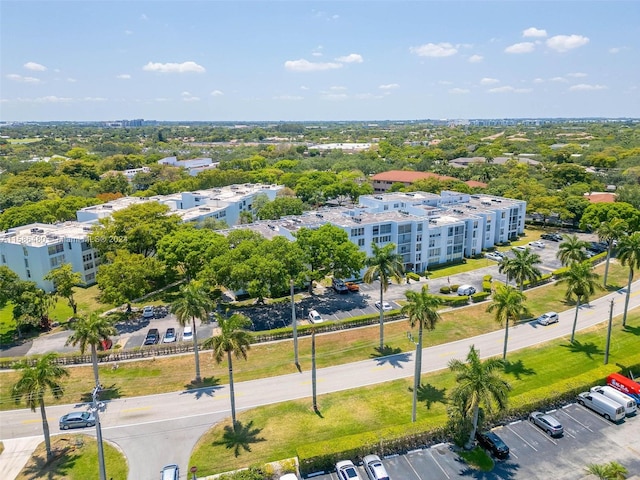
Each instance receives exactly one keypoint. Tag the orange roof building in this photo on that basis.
(382, 181)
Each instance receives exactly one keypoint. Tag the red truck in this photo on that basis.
(625, 385)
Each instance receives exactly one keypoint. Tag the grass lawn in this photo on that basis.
(165, 374)
(367, 414)
(76, 458)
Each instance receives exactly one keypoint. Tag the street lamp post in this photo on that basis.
(95, 408)
(294, 323)
(606, 351)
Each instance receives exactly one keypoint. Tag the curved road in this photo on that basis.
(173, 422)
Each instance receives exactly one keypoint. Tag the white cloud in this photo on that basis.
(434, 50)
(577, 75)
(52, 99)
(475, 58)
(488, 81)
(93, 99)
(303, 65)
(217, 93)
(184, 67)
(351, 58)
(289, 97)
(337, 88)
(558, 79)
(534, 32)
(538, 80)
(564, 43)
(335, 96)
(128, 32)
(161, 99)
(585, 87)
(144, 17)
(615, 50)
(123, 76)
(316, 54)
(459, 91)
(71, 80)
(304, 87)
(509, 89)
(389, 86)
(445, 82)
(367, 96)
(523, 47)
(36, 67)
(19, 78)
(187, 97)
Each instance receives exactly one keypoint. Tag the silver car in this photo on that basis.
(347, 470)
(77, 420)
(546, 422)
(374, 468)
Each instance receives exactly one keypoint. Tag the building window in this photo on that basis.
(418, 257)
(28, 273)
(4, 260)
(26, 263)
(386, 228)
(25, 251)
(361, 242)
(58, 248)
(89, 277)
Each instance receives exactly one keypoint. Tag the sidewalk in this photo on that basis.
(16, 453)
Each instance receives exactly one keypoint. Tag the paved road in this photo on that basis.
(176, 420)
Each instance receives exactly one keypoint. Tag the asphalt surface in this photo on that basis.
(184, 416)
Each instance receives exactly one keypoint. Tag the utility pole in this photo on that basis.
(606, 351)
(416, 379)
(95, 408)
(313, 370)
(294, 323)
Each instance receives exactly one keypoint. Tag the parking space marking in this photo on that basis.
(544, 434)
(411, 466)
(437, 463)
(521, 438)
(597, 415)
(576, 420)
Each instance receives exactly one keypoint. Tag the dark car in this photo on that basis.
(339, 286)
(153, 337)
(554, 237)
(493, 443)
(77, 420)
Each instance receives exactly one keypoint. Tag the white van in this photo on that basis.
(466, 290)
(604, 406)
(617, 396)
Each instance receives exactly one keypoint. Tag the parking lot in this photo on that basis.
(588, 438)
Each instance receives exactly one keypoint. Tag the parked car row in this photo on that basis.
(346, 469)
(153, 336)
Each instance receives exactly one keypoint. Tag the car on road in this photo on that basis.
(519, 248)
(339, 285)
(353, 287)
(554, 237)
(385, 305)
(493, 256)
(346, 470)
(170, 472)
(548, 318)
(77, 420)
(466, 290)
(537, 244)
(546, 422)
(170, 335)
(314, 317)
(153, 337)
(374, 468)
(147, 312)
(493, 443)
(187, 334)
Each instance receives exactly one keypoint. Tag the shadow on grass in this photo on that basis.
(632, 330)
(205, 387)
(517, 369)
(614, 288)
(430, 395)
(62, 462)
(239, 437)
(392, 356)
(107, 393)
(589, 349)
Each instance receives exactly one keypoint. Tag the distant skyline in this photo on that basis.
(317, 60)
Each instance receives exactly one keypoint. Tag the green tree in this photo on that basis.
(608, 471)
(193, 303)
(233, 338)
(64, 280)
(421, 310)
(478, 384)
(597, 213)
(8, 285)
(508, 305)
(383, 265)
(31, 305)
(33, 384)
(582, 282)
(521, 267)
(629, 255)
(610, 232)
(572, 250)
(90, 331)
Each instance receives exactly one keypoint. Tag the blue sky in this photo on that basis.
(306, 60)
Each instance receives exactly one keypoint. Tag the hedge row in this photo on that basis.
(413, 276)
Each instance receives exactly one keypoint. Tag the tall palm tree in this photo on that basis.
(34, 383)
(233, 338)
(508, 305)
(582, 282)
(478, 383)
(193, 303)
(608, 471)
(385, 264)
(610, 232)
(422, 310)
(572, 249)
(629, 255)
(91, 331)
(522, 267)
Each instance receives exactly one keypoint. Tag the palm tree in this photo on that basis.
(629, 255)
(522, 267)
(608, 471)
(478, 383)
(91, 331)
(610, 232)
(233, 338)
(193, 303)
(572, 249)
(34, 383)
(422, 310)
(383, 265)
(582, 282)
(508, 304)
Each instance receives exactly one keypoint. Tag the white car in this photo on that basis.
(347, 470)
(493, 256)
(187, 334)
(289, 476)
(520, 248)
(548, 318)
(374, 468)
(147, 312)
(537, 243)
(385, 305)
(314, 317)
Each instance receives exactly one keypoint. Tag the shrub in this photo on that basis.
(561, 272)
(445, 289)
(454, 287)
(480, 296)
(486, 287)
(487, 278)
(413, 276)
